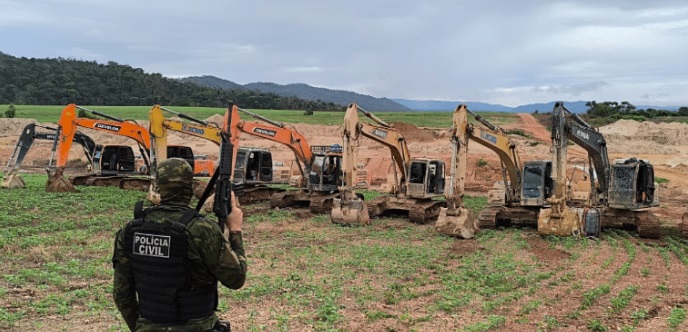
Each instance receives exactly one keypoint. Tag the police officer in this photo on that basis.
(169, 259)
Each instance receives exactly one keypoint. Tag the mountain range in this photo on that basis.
(370, 103)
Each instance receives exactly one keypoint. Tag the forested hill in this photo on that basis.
(62, 81)
(304, 91)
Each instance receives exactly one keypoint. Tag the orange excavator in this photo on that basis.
(319, 166)
(416, 181)
(112, 164)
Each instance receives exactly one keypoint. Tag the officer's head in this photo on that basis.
(175, 181)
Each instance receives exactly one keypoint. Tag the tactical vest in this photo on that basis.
(162, 271)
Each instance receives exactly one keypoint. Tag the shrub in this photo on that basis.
(11, 111)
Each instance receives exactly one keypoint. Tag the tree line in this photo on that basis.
(60, 81)
(626, 110)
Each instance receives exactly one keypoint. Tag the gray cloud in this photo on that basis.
(508, 52)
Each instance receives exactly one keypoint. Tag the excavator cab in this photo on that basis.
(254, 165)
(632, 184)
(538, 185)
(114, 160)
(326, 172)
(426, 178)
(184, 152)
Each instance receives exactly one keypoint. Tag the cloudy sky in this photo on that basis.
(502, 51)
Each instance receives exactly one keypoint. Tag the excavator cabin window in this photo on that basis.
(417, 173)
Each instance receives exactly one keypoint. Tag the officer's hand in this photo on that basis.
(235, 219)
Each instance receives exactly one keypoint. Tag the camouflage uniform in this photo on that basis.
(212, 257)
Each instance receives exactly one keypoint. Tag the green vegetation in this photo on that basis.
(308, 274)
(11, 111)
(62, 81)
(519, 132)
(660, 180)
(420, 119)
(676, 317)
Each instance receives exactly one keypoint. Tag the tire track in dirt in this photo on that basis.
(530, 124)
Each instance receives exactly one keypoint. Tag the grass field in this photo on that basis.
(420, 119)
(307, 274)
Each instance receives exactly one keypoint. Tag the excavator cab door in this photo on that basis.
(253, 166)
(114, 159)
(265, 166)
(426, 178)
(436, 178)
(538, 184)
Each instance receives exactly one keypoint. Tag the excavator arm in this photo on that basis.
(455, 219)
(280, 133)
(496, 139)
(348, 208)
(389, 136)
(592, 141)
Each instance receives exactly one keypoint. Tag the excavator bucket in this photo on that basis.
(458, 222)
(351, 213)
(58, 183)
(13, 180)
(565, 223)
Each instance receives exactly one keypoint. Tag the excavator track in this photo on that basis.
(647, 224)
(281, 199)
(488, 217)
(426, 212)
(321, 204)
(257, 194)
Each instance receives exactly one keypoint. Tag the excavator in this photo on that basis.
(253, 166)
(319, 166)
(113, 165)
(11, 179)
(416, 181)
(619, 193)
(520, 195)
(160, 151)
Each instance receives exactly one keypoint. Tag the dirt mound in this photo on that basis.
(218, 119)
(621, 127)
(413, 133)
(632, 137)
(13, 126)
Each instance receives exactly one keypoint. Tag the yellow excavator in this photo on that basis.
(159, 127)
(416, 182)
(455, 219)
(524, 188)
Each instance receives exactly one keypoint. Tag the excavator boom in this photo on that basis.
(348, 208)
(280, 133)
(455, 219)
